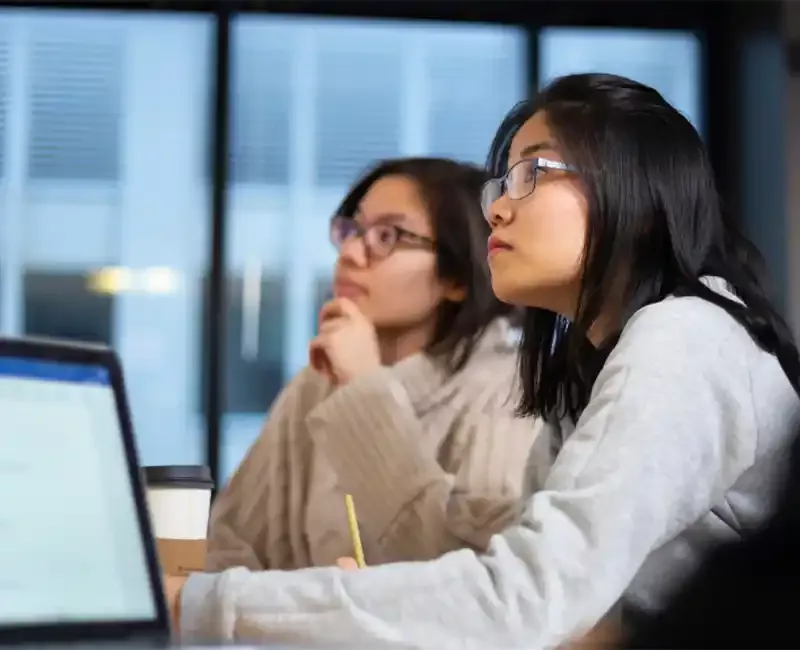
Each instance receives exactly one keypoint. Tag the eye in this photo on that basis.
(531, 170)
(386, 233)
(383, 236)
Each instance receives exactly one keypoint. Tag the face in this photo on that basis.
(541, 236)
(399, 291)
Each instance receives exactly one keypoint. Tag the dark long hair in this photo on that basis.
(451, 192)
(655, 228)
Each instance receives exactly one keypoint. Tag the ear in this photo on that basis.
(454, 293)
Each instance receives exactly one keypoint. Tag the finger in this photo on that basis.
(318, 357)
(331, 309)
(319, 360)
(347, 563)
(333, 324)
(339, 308)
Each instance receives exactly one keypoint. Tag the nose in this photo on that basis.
(499, 212)
(353, 252)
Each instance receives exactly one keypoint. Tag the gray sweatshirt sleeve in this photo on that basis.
(669, 428)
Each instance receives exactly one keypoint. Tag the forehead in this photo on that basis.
(534, 138)
(394, 195)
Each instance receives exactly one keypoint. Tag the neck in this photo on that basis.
(597, 334)
(397, 344)
(602, 326)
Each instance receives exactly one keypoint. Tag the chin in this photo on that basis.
(508, 292)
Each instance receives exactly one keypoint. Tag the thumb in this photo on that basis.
(347, 563)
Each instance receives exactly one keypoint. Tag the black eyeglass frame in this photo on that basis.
(494, 188)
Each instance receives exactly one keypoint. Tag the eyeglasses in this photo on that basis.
(518, 182)
(380, 239)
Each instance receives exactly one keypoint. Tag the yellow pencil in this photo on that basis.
(354, 532)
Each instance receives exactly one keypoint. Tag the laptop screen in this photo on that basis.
(69, 531)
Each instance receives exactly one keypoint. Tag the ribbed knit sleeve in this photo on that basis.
(256, 519)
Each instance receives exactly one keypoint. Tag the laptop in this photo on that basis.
(78, 560)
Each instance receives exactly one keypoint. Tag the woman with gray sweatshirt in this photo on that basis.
(667, 377)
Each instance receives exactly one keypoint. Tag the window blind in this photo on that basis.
(472, 87)
(261, 101)
(359, 101)
(4, 60)
(75, 105)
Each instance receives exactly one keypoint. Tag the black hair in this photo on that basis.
(451, 192)
(656, 227)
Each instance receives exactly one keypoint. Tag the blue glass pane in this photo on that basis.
(670, 61)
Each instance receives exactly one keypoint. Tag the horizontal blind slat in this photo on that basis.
(75, 106)
(359, 101)
(4, 61)
(470, 95)
(261, 112)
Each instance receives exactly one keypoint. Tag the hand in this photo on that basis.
(347, 563)
(346, 345)
(172, 593)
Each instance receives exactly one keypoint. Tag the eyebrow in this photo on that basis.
(536, 148)
(384, 217)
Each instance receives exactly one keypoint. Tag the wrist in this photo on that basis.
(357, 373)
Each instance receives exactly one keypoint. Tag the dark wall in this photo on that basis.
(747, 81)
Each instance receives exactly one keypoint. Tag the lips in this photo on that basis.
(496, 245)
(346, 289)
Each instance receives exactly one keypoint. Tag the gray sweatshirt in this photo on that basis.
(680, 446)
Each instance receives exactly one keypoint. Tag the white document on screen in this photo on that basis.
(69, 537)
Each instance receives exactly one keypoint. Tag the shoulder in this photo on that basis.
(686, 329)
(692, 358)
(283, 422)
(305, 391)
(488, 382)
(689, 352)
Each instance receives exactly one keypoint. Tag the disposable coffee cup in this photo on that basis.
(179, 500)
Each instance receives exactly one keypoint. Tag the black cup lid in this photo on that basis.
(179, 476)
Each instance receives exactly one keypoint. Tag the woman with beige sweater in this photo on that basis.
(407, 401)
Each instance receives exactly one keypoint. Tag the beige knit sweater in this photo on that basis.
(434, 462)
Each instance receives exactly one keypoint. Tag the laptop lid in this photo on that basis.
(79, 561)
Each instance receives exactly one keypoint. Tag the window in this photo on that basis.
(3, 142)
(314, 103)
(466, 109)
(253, 359)
(667, 61)
(260, 109)
(359, 101)
(76, 92)
(104, 201)
(3, 94)
(62, 305)
(323, 292)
